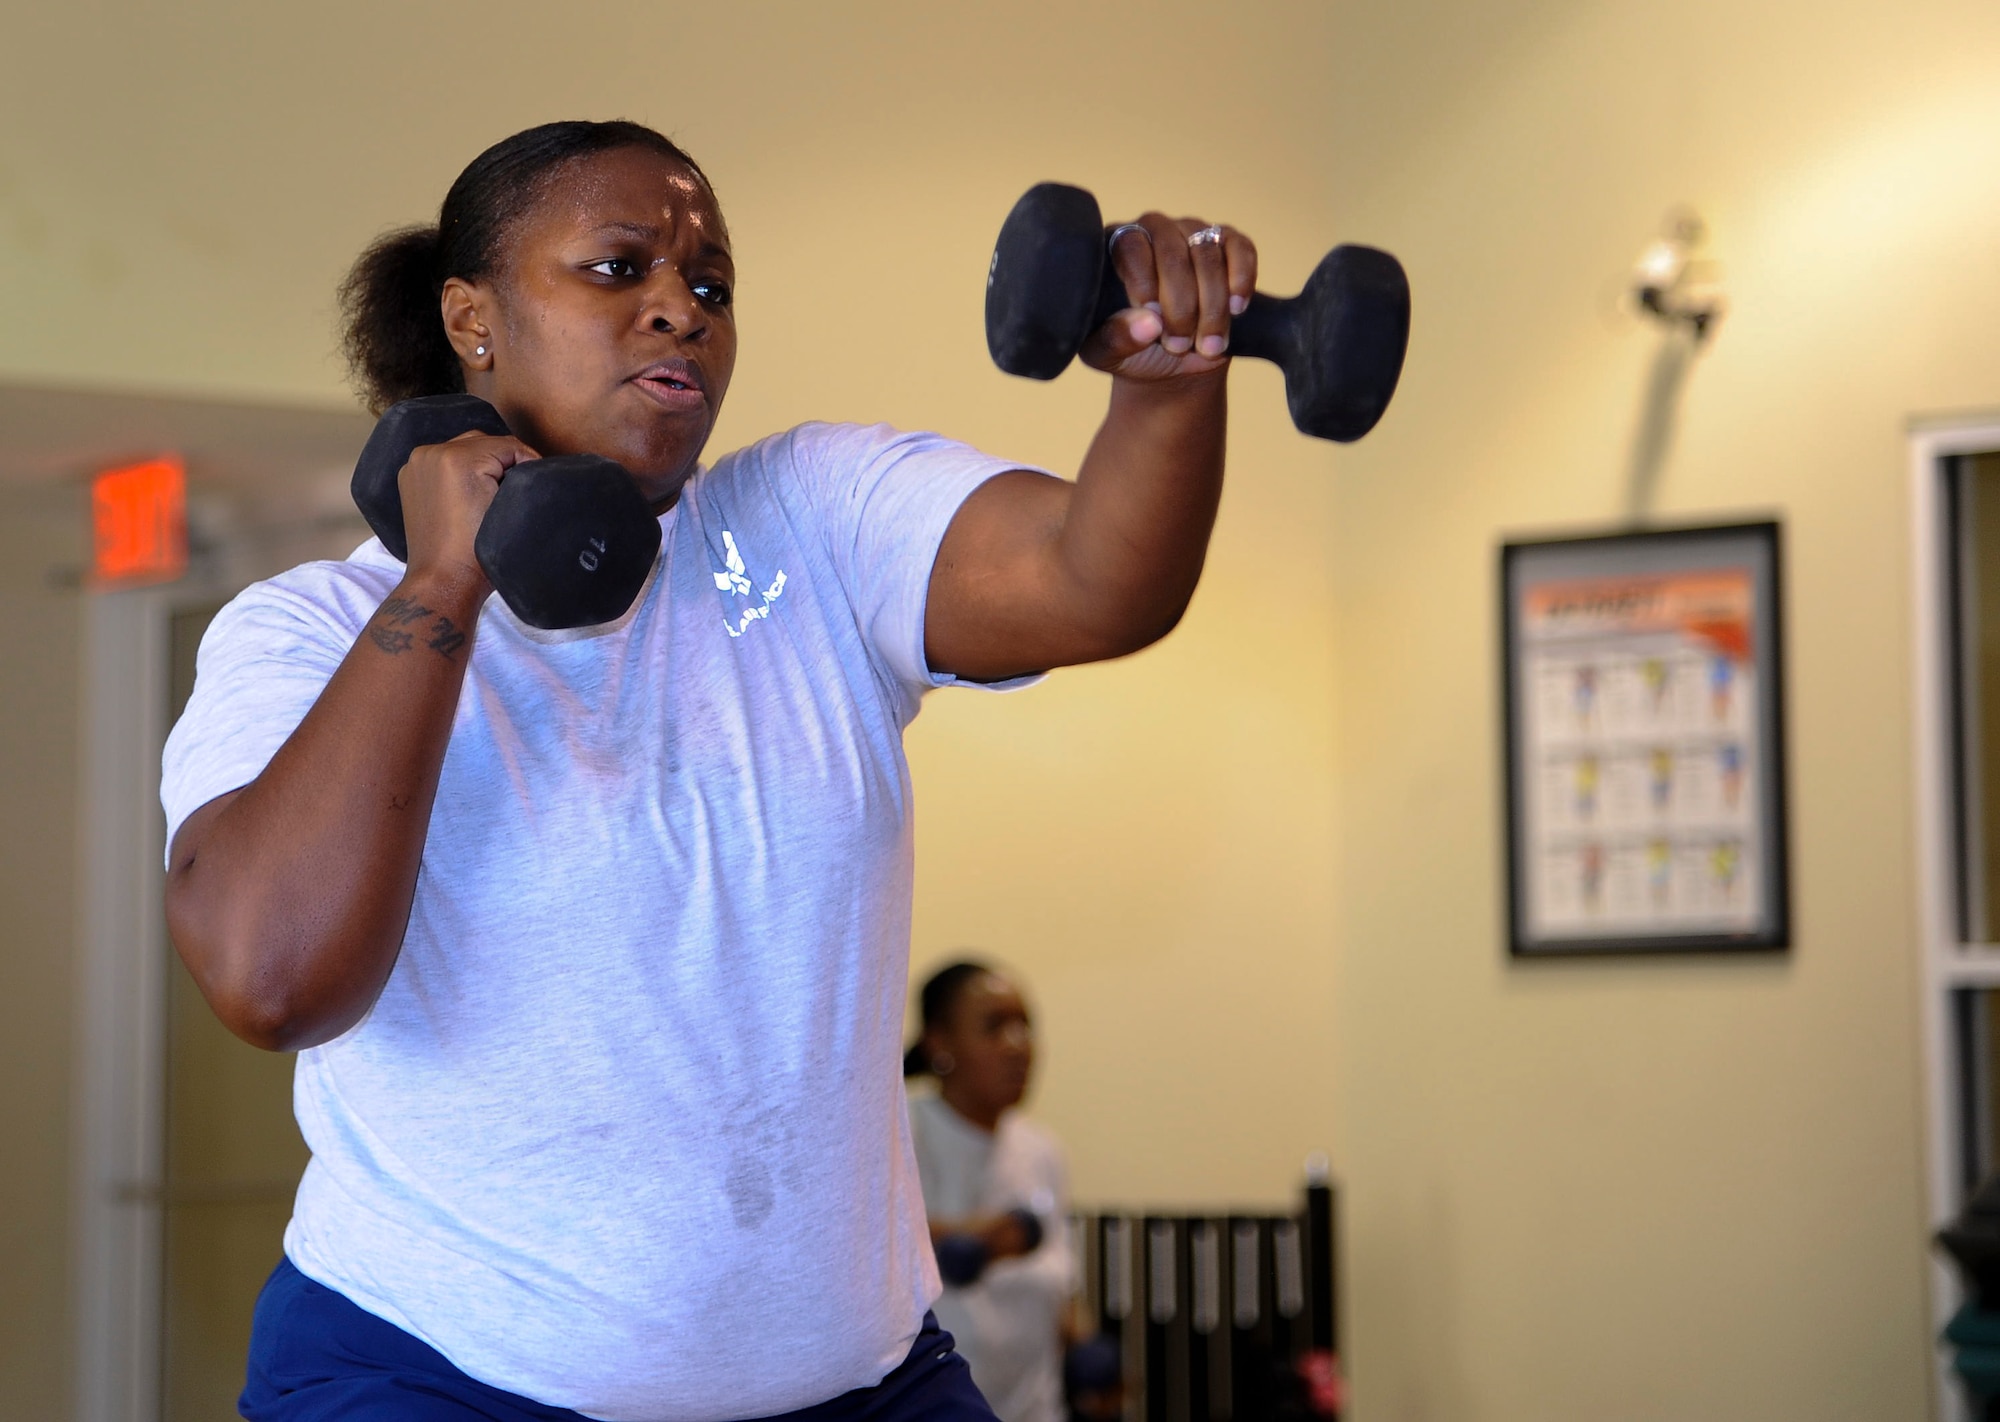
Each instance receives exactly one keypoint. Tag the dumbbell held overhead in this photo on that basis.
(1340, 341)
(567, 542)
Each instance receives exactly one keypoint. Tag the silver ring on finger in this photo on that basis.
(1206, 237)
(1111, 238)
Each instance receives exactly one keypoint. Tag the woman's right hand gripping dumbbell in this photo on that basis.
(446, 489)
(288, 899)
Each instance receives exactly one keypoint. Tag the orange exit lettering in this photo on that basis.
(140, 515)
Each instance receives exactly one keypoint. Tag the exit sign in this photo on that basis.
(139, 513)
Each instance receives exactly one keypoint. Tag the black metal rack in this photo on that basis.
(1219, 1317)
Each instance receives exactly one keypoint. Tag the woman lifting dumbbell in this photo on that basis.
(996, 1190)
(592, 942)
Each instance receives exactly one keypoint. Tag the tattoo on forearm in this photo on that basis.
(398, 613)
(402, 611)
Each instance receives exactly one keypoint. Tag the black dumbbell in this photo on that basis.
(1340, 341)
(963, 1256)
(567, 542)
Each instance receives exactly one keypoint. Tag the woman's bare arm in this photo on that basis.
(288, 899)
(1037, 572)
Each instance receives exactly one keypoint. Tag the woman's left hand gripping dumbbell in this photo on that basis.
(1186, 279)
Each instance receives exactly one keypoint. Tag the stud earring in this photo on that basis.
(481, 350)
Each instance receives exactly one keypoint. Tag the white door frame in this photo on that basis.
(119, 1100)
(121, 1009)
(1948, 965)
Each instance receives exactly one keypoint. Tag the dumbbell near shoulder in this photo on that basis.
(1340, 341)
(567, 542)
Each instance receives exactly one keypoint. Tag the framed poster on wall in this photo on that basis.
(1644, 713)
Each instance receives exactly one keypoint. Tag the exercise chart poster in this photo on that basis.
(1645, 769)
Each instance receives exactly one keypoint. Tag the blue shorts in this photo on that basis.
(316, 1357)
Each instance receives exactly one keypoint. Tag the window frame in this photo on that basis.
(1950, 966)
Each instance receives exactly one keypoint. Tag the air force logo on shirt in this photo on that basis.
(734, 580)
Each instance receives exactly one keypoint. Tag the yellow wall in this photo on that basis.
(1252, 875)
(1676, 1189)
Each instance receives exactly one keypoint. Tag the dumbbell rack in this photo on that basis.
(1219, 1318)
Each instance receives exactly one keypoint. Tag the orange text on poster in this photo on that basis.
(1714, 604)
(139, 513)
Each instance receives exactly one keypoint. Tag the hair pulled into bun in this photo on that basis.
(935, 1000)
(391, 328)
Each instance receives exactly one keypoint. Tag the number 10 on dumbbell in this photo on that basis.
(568, 541)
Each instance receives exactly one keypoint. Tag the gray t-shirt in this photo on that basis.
(1008, 1322)
(625, 1131)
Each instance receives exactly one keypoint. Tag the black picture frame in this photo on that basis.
(1643, 715)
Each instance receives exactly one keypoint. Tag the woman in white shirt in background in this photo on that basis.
(995, 1189)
